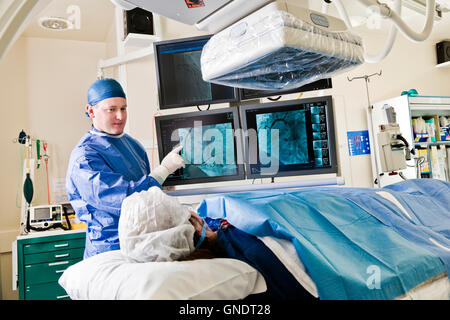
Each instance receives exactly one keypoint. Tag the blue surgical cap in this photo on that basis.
(104, 89)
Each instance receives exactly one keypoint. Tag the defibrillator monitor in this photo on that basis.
(289, 138)
(44, 216)
(212, 149)
(179, 75)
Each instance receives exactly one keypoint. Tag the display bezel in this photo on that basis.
(248, 94)
(292, 104)
(198, 115)
(162, 103)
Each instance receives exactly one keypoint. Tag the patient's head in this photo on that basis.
(154, 226)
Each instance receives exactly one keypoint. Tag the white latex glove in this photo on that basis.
(169, 164)
(173, 161)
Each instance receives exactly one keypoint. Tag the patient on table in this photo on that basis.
(154, 226)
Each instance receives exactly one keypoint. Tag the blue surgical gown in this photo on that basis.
(103, 170)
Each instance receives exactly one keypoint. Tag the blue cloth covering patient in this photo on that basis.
(236, 244)
(352, 241)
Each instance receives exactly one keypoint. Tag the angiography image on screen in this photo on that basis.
(211, 141)
(288, 138)
(179, 76)
(208, 151)
(282, 137)
(187, 76)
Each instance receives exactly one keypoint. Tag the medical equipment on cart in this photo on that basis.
(42, 217)
(45, 215)
(392, 150)
(393, 147)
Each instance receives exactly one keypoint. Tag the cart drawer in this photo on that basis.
(46, 272)
(54, 246)
(53, 256)
(46, 291)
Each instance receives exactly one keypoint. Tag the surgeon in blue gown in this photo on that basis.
(107, 165)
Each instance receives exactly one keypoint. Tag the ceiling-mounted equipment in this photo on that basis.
(210, 16)
(443, 52)
(138, 21)
(280, 47)
(217, 15)
(125, 5)
(420, 6)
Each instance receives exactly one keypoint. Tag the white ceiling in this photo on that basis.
(97, 18)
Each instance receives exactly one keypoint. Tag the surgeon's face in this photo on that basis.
(109, 115)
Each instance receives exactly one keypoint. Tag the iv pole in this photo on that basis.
(369, 118)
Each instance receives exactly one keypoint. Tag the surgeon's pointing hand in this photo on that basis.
(173, 161)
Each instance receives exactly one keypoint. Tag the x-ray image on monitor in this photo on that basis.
(282, 136)
(179, 76)
(208, 151)
(187, 76)
(288, 138)
(211, 150)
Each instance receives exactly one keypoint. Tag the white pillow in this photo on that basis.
(109, 276)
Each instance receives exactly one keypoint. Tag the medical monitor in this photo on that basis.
(289, 138)
(212, 148)
(179, 75)
(247, 94)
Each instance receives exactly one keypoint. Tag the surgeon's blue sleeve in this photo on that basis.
(100, 187)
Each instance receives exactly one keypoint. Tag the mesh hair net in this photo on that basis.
(154, 227)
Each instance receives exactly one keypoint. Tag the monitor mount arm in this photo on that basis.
(394, 14)
(387, 12)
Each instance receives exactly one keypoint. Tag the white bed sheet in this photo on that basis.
(109, 276)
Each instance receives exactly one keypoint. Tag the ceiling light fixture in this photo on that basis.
(55, 23)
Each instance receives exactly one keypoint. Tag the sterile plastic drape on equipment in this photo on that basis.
(272, 49)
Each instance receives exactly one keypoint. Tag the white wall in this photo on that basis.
(59, 73)
(13, 87)
(43, 86)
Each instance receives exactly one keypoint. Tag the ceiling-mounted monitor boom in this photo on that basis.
(215, 15)
(218, 16)
(211, 15)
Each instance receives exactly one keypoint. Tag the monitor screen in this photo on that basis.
(211, 141)
(247, 94)
(179, 75)
(289, 138)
